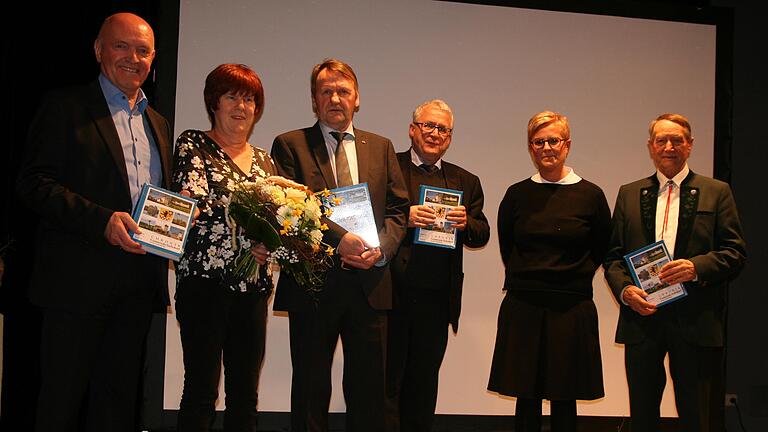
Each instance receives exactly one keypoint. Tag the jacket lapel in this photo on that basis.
(648, 197)
(362, 152)
(689, 202)
(320, 152)
(106, 127)
(452, 179)
(157, 125)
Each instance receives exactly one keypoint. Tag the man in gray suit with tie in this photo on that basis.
(358, 289)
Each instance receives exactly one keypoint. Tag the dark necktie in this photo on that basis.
(343, 176)
(429, 168)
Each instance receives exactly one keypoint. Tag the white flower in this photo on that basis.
(217, 177)
(197, 162)
(316, 236)
(312, 209)
(218, 228)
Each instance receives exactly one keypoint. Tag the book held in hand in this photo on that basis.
(164, 218)
(442, 233)
(354, 212)
(645, 266)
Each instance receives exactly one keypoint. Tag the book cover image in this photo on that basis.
(443, 232)
(165, 218)
(645, 267)
(354, 212)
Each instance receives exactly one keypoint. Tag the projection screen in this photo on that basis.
(495, 66)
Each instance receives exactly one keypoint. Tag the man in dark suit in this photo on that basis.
(358, 289)
(90, 149)
(428, 279)
(696, 217)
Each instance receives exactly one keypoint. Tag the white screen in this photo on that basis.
(495, 66)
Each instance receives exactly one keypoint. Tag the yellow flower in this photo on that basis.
(324, 227)
(296, 212)
(287, 225)
(329, 251)
(295, 195)
(328, 212)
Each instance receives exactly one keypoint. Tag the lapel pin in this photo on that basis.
(693, 191)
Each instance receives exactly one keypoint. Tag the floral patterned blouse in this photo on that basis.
(203, 169)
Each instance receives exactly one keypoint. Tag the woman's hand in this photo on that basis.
(260, 252)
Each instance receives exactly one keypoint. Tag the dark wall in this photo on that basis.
(45, 46)
(747, 376)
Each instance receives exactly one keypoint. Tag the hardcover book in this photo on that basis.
(442, 233)
(165, 218)
(354, 212)
(645, 266)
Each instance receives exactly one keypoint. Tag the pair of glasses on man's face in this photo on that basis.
(552, 141)
(429, 127)
(661, 141)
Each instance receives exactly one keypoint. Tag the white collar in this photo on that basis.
(677, 179)
(327, 131)
(570, 178)
(416, 159)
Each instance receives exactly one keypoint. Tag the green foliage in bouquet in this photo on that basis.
(287, 217)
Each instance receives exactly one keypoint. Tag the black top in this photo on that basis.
(427, 268)
(203, 169)
(553, 237)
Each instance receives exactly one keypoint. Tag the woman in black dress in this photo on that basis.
(220, 313)
(553, 235)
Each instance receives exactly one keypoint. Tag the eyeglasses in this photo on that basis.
(428, 127)
(676, 141)
(552, 141)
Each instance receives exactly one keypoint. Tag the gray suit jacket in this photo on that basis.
(301, 155)
(708, 234)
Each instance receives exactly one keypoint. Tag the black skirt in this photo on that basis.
(547, 347)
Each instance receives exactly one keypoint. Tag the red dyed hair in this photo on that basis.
(232, 78)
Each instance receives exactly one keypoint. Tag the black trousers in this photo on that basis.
(695, 373)
(217, 324)
(95, 356)
(562, 416)
(417, 339)
(342, 309)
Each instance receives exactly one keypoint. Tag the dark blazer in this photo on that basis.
(74, 177)
(708, 234)
(475, 235)
(301, 155)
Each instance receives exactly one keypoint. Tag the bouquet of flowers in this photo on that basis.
(286, 217)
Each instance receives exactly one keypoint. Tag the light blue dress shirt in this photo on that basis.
(142, 159)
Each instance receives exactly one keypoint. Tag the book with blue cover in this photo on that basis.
(645, 266)
(442, 233)
(164, 218)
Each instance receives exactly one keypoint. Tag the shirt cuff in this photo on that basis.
(383, 261)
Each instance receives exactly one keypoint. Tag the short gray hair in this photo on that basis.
(435, 103)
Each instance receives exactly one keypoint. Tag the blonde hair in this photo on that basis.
(546, 118)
